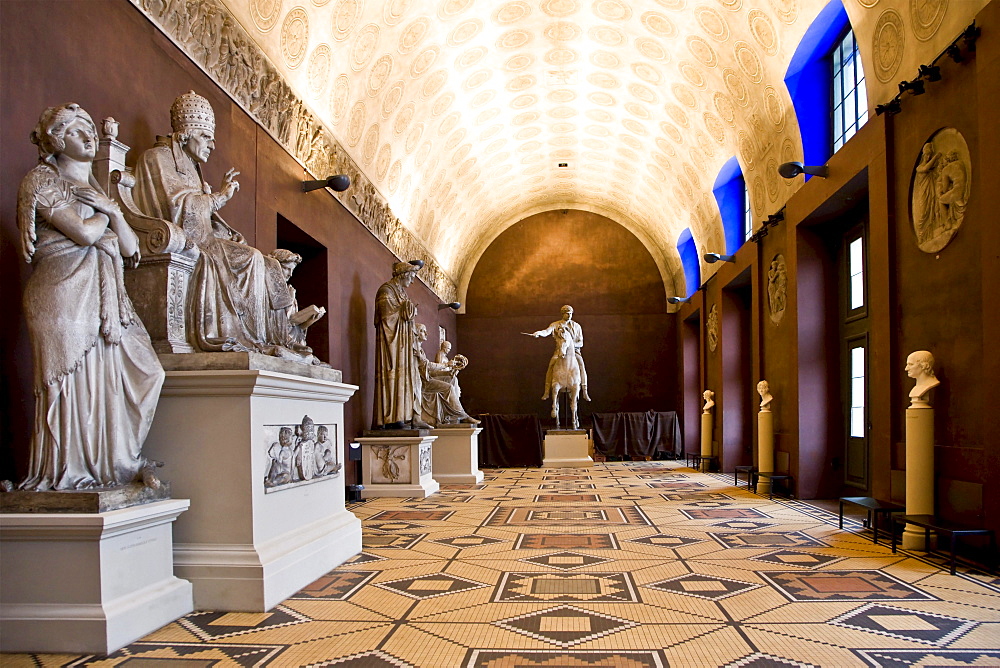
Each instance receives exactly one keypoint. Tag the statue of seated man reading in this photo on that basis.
(238, 298)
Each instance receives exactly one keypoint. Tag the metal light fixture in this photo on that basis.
(454, 306)
(915, 87)
(712, 258)
(790, 170)
(339, 183)
(419, 264)
(890, 108)
(930, 72)
(678, 300)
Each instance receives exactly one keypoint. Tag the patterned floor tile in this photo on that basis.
(191, 655)
(666, 540)
(371, 659)
(696, 496)
(797, 558)
(335, 586)
(467, 541)
(905, 658)
(829, 585)
(429, 586)
(388, 541)
(564, 659)
(565, 625)
(770, 539)
(703, 586)
(758, 660)
(218, 625)
(722, 513)
(569, 587)
(923, 627)
(547, 541)
(744, 525)
(567, 498)
(550, 517)
(566, 561)
(413, 515)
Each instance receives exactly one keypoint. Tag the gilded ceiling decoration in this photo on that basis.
(465, 116)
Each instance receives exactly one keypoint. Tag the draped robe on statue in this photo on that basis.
(97, 377)
(397, 377)
(236, 292)
(440, 392)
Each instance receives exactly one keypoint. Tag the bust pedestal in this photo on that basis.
(247, 547)
(567, 448)
(706, 440)
(398, 463)
(765, 449)
(91, 583)
(919, 470)
(456, 454)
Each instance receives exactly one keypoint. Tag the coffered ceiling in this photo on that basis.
(468, 115)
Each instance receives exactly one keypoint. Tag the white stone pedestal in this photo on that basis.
(398, 466)
(919, 472)
(456, 455)
(566, 448)
(245, 547)
(88, 583)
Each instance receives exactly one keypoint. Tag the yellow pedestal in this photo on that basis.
(765, 448)
(919, 471)
(706, 440)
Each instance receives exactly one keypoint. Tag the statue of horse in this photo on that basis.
(565, 378)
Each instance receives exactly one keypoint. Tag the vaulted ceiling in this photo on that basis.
(468, 115)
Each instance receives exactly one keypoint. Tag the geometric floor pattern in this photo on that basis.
(625, 564)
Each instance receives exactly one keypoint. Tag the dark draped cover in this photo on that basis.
(637, 434)
(510, 441)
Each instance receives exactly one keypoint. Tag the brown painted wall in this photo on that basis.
(119, 65)
(609, 278)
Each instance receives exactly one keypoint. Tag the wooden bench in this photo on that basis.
(749, 470)
(874, 508)
(951, 529)
(699, 458)
(772, 476)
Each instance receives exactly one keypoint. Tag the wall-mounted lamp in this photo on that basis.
(454, 306)
(915, 87)
(890, 108)
(419, 264)
(772, 221)
(678, 300)
(339, 183)
(712, 258)
(930, 72)
(790, 170)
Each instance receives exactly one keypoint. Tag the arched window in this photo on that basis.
(690, 261)
(730, 192)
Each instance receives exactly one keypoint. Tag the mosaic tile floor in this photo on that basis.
(638, 564)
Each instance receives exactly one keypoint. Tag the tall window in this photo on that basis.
(850, 100)
(730, 192)
(747, 216)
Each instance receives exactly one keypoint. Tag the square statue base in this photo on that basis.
(398, 466)
(456, 454)
(89, 583)
(245, 545)
(566, 448)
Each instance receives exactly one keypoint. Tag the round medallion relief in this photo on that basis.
(612, 10)
(677, 115)
(560, 57)
(715, 128)
(464, 31)
(435, 81)
(673, 5)
(638, 110)
(519, 83)
(635, 127)
(356, 123)
(643, 93)
(747, 150)
(393, 96)
(424, 61)
(563, 112)
(477, 79)
(449, 9)
(523, 101)
(607, 35)
(652, 49)
(757, 195)
(403, 119)
(518, 62)
(671, 132)
(563, 31)
(393, 11)
(345, 16)
(773, 108)
(487, 115)
(394, 173)
(692, 74)
(887, 45)
(603, 80)
(602, 99)
(763, 31)
(605, 59)
(383, 160)
(339, 97)
(265, 13)
(559, 7)
(471, 57)
(379, 74)
(511, 12)
(632, 141)
(454, 139)
(748, 61)
(562, 96)
(513, 39)
(319, 69)
(926, 17)
(702, 51)
(772, 179)
(647, 72)
(712, 23)
(725, 108)
(295, 37)
(370, 144)
(525, 134)
(412, 35)
(597, 131)
(658, 24)
(600, 115)
(442, 104)
(940, 189)
(786, 10)
(737, 89)
(364, 47)
(526, 117)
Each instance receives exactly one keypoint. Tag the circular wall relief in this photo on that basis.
(562, 96)
(364, 47)
(403, 119)
(631, 140)
(518, 63)
(702, 51)
(559, 7)
(603, 80)
(319, 69)
(658, 24)
(747, 150)
(607, 35)
(356, 123)
(772, 179)
(605, 59)
(748, 61)
(656, 172)
(725, 108)
(692, 74)
(773, 108)
(492, 131)
(673, 5)
(383, 160)
(345, 16)
(597, 130)
(525, 134)
(763, 31)
(513, 39)
(715, 128)
(512, 12)
(560, 57)
(758, 195)
(787, 10)
(413, 34)
(635, 127)
(487, 115)
(393, 96)
(449, 9)
(732, 5)
(464, 31)
(424, 61)
(379, 74)
(737, 89)
(339, 96)
(442, 104)
(563, 31)
(638, 110)
(926, 17)
(599, 115)
(295, 37)
(393, 11)
(523, 101)
(652, 49)
(706, 146)
(477, 79)
(647, 72)
(643, 93)
(940, 189)
(265, 13)
(677, 115)
(563, 112)
(887, 45)
(526, 117)
(671, 132)
(868, 3)
(471, 57)
(698, 160)
(713, 23)
(777, 288)
(434, 83)
(394, 173)
(519, 83)
(692, 175)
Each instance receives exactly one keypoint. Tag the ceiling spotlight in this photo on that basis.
(790, 170)
(454, 306)
(419, 264)
(930, 72)
(339, 183)
(916, 87)
(712, 258)
(678, 300)
(890, 108)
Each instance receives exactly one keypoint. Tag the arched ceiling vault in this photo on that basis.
(468, 115)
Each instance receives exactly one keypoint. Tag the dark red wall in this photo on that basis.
(606, 274)
(104, 55)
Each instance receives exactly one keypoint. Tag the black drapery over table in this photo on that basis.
(637, 434)
(510, 440)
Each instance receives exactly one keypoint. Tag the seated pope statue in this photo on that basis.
(238, 298)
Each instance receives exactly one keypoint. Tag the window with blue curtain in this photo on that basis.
(690, 261)
(850, 98)
(730, 192)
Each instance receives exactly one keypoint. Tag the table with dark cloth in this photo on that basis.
(510, 440)
(637, 434)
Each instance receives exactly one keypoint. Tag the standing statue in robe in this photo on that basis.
(238, 299)
(397, 375)
(97, 377)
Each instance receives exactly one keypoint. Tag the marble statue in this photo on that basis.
(777, 288)
(281, 453)
(564, 329)
(297, 321)
(397, 374)
(764, 390)
(440, 392)
(920, 366)
(941, 189)
(709, 397)
(713, 327)
(238, 297)
(97, 378)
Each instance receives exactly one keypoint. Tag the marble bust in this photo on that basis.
(709, 397)
(764, 390)
(920, 366)
(97, 377)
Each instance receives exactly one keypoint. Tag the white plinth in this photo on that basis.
(569, 448)
(398, 466)
(88, 583)
(244, 549)
(456, 455)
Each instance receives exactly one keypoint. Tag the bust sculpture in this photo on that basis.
(709, 397)
(397, 373)
(239, 298)
(97, 377)
(440, 403)
(565, 329)
(920, 366)
(764, 390)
